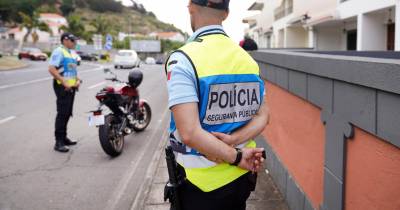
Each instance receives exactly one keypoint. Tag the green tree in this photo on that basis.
(75, 26)
(67, 7)
(168, 45)
(124, 44)
(32, 23)
(101, 25)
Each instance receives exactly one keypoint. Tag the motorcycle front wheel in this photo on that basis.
(111, 142)
(144, 118)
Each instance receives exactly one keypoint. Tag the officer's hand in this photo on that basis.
(78, 83)
(67, 87)
(228, 139)
(251, 159)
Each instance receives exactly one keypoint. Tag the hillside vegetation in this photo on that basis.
(86, 17)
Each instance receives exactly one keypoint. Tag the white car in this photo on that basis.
(126, 59)
(150, 60)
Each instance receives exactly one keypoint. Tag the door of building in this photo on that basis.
(390, 36)
(352, 40)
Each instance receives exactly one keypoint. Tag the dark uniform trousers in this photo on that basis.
(65, 102)
(232, 196)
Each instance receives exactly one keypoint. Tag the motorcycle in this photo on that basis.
(127, 112)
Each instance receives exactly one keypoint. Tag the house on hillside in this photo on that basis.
(172, 36)
(122, 35)
(54, 21)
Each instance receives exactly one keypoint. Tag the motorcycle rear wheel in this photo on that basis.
(110, 141)
(142, 124)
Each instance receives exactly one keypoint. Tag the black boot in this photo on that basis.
(69, 142)
(60, 146)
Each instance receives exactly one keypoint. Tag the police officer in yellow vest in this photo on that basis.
(217, 101)
(62, 67)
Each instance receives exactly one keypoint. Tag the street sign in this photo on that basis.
(109, 38)
(108, 45)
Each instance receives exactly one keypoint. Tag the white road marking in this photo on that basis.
(7, 119)
(42, 79)
(25, 83)
(123, 184)
(97, 85)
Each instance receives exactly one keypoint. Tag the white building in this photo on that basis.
(326, 24)
(54, 21)
(173, 36)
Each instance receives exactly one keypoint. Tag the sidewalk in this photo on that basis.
(265, 197)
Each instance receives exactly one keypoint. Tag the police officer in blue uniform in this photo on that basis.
(216, 97)
(62, 67)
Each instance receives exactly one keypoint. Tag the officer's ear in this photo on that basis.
(226, 14)
(191, 8)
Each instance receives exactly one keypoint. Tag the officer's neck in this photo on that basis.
(201, 23)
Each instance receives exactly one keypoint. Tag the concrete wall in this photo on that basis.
(295, 132)
(333, 141)
(352, 8)
(329, 38)
(372, 32)
(297, 37)
(314, 7)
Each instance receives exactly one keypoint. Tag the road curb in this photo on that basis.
(145, 188)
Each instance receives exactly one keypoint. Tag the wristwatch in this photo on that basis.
(238, 157)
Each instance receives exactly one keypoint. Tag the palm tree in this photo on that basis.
(101, 25)
(75, 26)
(32, 23)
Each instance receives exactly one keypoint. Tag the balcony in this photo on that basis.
(282, 12)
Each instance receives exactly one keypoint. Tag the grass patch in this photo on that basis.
(10, 62)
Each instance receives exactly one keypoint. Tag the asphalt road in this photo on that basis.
(34, 176)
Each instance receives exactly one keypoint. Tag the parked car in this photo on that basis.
(32, 53)
(88, 56)
(126, 59)
(150, 60)
(160, 61)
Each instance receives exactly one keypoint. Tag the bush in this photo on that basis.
(105, 5)
(168, 45)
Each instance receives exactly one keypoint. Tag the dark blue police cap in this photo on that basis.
(215, 4)
(68, 36)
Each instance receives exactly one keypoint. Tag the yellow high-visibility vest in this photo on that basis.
(230, 92)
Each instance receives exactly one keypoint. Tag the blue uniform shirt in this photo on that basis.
(56, 57)
(182, 83)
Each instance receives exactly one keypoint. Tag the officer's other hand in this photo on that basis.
(227, 139)
(67, 87)
(78, 83)
(251, 159)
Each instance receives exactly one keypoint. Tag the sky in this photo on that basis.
(176, 12)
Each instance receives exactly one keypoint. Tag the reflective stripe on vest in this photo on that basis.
(230, 92)
(69, 71)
